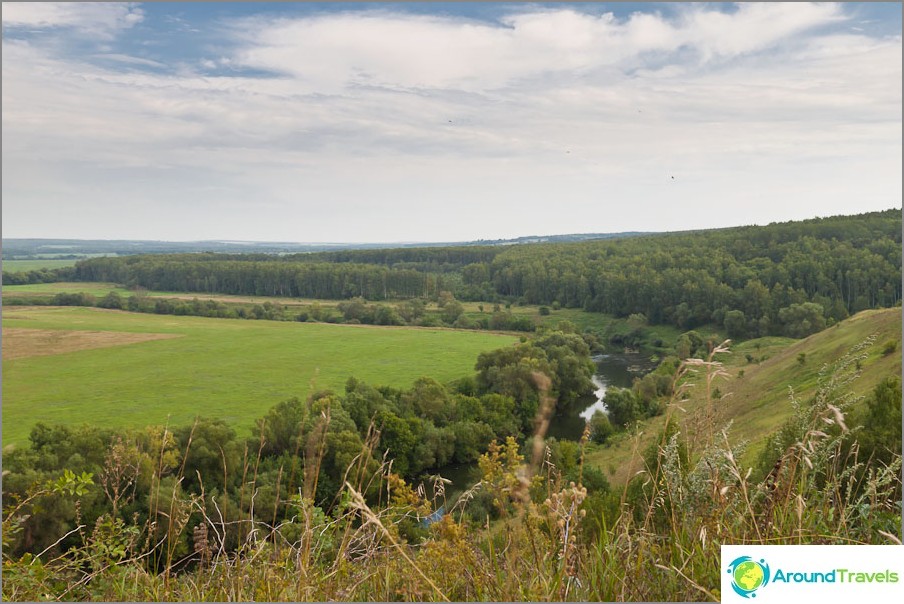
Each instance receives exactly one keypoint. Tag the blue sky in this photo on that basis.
(443, 121)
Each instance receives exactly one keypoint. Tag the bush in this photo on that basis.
(600, 427)
(889, 347)
(622, 405)
(465, 322)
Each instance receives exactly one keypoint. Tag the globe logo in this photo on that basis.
(748, 575)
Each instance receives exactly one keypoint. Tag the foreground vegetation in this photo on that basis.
(540, 525)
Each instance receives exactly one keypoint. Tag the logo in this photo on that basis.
(748, 575)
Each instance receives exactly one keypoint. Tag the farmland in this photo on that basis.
(17, 266)
(186, 366)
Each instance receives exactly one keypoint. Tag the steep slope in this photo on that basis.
(761, 376)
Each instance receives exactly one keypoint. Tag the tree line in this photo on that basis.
(790, 278)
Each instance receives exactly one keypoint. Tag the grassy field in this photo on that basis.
(603, 324)
(100, 289)
(180, 367)
(64, 287)
(22, 266)
(755, 395)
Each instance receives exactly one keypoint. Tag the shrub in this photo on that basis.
(600, 427)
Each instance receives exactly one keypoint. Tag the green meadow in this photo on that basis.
(63, 287)
(230, 369)
(601, 323)
(22, 266)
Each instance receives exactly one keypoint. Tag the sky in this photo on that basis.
(447, 121)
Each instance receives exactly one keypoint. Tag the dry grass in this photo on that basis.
(21, 342)
(661, 544)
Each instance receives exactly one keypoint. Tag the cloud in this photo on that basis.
(408, 51)
(100, 19)
(754, 26)
(127, 59)
(343, 123)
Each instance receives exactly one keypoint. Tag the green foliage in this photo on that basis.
(212, 453)
(510, 372)
(71, 483)
(282, 429)
(112, 300)
(880, 439)
(304, 510)
(746, 275)
(556, 531)
(600, 427)
(735, 324)
(623, 406)
(801, 320)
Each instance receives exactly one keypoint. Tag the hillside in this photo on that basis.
(49, 249)
(755, 395)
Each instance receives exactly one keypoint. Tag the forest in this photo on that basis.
(789, 278)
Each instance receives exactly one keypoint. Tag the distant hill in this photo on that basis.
(26, 249)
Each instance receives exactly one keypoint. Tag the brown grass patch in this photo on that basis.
(21, 342)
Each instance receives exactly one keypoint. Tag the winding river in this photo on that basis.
(611, 370)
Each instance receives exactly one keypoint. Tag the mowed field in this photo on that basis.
(113, 368)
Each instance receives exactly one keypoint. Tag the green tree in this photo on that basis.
(881, 434)
(622, 406)
(452, 310)
(282, 430)
(600, 427)
(735, 323)
(112, 300)
(801, 320)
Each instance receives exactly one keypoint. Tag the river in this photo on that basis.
(611, 370)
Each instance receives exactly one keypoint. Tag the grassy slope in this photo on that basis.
(758, 402)
(226, 368)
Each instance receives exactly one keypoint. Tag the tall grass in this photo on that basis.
(657, 540)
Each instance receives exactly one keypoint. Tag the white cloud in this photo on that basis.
(389, 115)
(99, 19)
(329, 52)
(755, 26)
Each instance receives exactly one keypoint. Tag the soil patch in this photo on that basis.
(21, 342)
